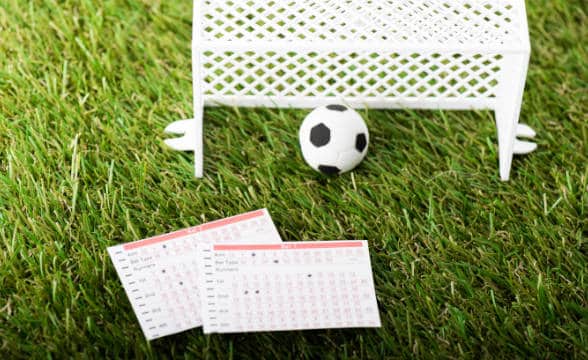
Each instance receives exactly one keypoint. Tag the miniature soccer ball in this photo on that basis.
(334, 139)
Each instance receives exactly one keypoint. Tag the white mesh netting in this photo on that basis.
(350, 74)
(359, 50)
(422, 21)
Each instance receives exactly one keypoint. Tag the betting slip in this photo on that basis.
(287, 286)
(160, 274)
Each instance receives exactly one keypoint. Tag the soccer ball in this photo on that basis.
(334, 139)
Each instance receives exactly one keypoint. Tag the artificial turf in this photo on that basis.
(464, 264)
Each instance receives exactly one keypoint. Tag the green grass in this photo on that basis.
(464, 265)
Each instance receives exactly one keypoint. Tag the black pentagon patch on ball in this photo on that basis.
(360, 142)
(340, 108)
(320, 135)
(328, 170)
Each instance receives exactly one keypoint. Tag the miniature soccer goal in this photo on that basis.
(385, 54)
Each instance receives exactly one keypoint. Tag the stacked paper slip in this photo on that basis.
(236, 275)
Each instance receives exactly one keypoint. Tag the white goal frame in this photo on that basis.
(384, 54)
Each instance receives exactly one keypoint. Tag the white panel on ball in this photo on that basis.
(428, 54)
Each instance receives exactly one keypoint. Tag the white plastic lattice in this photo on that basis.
(399, 21)
(365, 77)
(458, 54)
